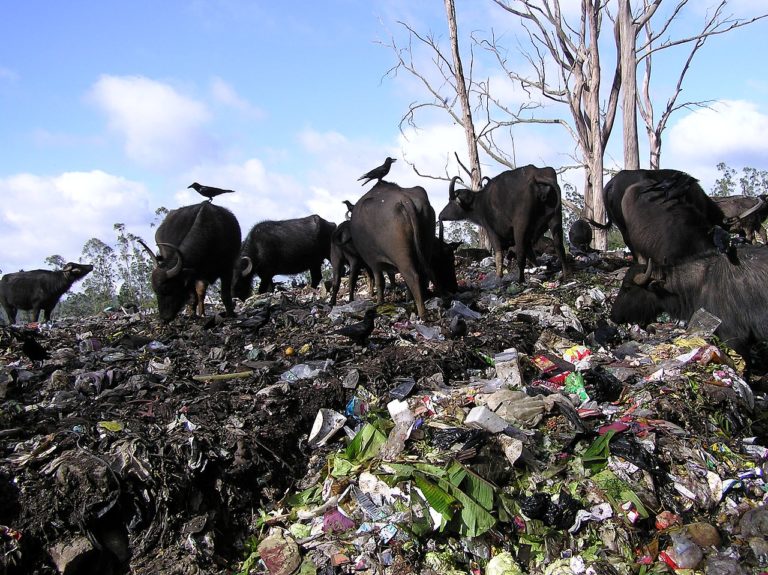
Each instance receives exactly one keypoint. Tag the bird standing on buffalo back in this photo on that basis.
(377, 173)
(208, 191)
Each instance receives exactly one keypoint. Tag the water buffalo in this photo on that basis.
(734, 293)
(283, 247)
(515, 208)
(745, 215)
(393, 228)
(198, 245)
(343, 253)
(38, 290)
(663, 215)
(580, 236)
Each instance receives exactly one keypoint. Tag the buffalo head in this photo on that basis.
(168, 281)
(242, 283)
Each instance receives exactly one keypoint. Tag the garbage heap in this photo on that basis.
(516, 432)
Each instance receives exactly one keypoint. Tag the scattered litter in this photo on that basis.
(540, 439)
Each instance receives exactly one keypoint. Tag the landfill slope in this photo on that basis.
(531, 436)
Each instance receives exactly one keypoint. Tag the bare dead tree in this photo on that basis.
(627, 30)
(463, 96)
(576, 83)
(715, 23)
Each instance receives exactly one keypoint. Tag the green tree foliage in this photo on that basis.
(753, 182)
(56, 262)
(134, 270)
(100, 285)
(462, 231)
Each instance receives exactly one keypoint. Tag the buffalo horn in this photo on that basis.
(176, 269)
(149, 251)
(451, 192)
(248, 267)
(644, 278)
(484, 182)
(759, 204)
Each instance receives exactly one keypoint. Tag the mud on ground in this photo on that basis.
(147, 448)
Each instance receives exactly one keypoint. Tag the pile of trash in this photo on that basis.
(516, 432)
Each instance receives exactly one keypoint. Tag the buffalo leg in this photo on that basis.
(354, 273)
(200, 288)
(556, 229)
(48, 311)
(337, 267)
(413, 282)
(10, 311)
(335, 285)
(378, 276)
(315, 273)
(226, 294)
(36, 313)
(499, 257)
(521, 241)
(265, 284)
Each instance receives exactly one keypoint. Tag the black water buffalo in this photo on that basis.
(393, 228)
(734, 293)
(38, 290)
(663, 215)
(745, 215)
(515, 208)
(580, 236)
(283, 247)
(343, 253)
(198, 245)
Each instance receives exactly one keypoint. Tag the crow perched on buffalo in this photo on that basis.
(377, 173)
(208, 191)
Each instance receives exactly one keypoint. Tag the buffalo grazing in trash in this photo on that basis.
(198, 245)
(284, 247)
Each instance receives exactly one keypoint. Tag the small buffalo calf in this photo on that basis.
(38, 289)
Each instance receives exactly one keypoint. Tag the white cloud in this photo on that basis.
(319, 142)
(8, 75)
(730, 131)
(225, 94)
(42, 216)
(260, 194)
(161, 128)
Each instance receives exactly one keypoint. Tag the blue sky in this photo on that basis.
(109, 110)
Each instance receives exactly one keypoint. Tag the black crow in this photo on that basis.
(458, 327)
(350, 206)
(30, 346)
(359, 332)
(208, 191)
(377, 173)
(257, 320)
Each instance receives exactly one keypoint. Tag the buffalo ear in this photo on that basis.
(466, 198)
(454, 245)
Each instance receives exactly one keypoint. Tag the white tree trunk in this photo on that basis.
(627, 36)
